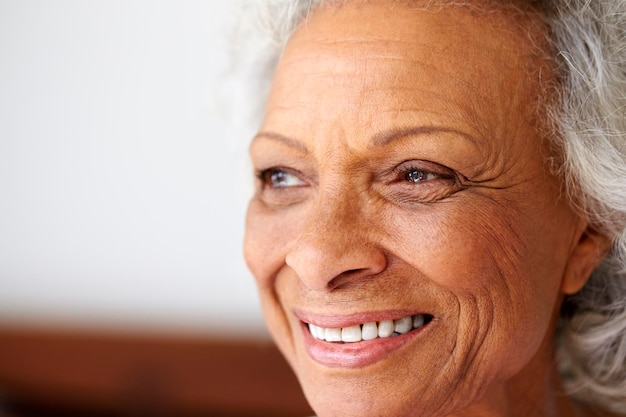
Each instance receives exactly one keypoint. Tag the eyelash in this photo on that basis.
(409, 183)
(265, 176)
(406, 173)
(403, 173)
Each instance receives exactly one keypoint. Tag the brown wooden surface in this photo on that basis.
(46, 372)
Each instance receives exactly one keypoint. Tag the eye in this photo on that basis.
(419, 181)
(418, 175)
(279, 178)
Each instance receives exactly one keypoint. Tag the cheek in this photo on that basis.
(267, 236)
(486, 250)
(487, 259)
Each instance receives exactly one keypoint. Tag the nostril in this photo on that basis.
(324, 264)
(346, 277)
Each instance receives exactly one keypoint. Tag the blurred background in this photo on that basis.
(124, 179)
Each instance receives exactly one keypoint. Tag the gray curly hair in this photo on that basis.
(588, 117)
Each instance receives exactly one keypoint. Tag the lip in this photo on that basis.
(359, 354)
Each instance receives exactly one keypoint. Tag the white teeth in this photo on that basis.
(368, 331)
(351, 334)
(316, 331)
(332, 335)
(385, 328)
(403, 325)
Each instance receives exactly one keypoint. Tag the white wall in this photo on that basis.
(123, 174)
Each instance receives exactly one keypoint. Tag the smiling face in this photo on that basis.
(401, 177)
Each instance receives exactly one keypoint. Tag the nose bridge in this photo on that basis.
(342, 190)
(335, 245)
(339, 206)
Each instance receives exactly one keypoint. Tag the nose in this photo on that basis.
(335, 247)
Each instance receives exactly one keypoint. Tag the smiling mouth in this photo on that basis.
(371, 330)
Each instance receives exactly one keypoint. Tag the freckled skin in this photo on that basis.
(364, 94)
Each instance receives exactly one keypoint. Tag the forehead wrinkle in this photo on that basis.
(348, 50)
(391, 135)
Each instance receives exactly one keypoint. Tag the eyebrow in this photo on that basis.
(378, 140)
(277, 137)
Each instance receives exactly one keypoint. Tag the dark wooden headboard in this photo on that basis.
(48, 372)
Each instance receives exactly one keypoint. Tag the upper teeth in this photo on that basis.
(368, 331)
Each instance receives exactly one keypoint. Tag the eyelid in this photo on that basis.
(439, 182)
(439, 170)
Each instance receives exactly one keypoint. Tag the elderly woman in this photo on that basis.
(438, 227)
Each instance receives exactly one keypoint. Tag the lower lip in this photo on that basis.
(358, 354)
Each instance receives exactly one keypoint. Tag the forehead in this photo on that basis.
(370, 64)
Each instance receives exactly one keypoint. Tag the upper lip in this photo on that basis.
(352, 319)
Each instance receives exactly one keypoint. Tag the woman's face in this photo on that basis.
(401, 176)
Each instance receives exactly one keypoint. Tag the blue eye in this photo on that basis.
(280, 178)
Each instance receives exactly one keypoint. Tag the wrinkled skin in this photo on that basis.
(401, 171)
